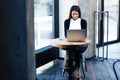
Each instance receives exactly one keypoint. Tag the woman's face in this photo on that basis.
(75, 15)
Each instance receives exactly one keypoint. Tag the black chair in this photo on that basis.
(115, 69)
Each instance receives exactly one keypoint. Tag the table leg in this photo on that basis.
(69, 64)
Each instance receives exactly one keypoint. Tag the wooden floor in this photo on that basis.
(96, 70)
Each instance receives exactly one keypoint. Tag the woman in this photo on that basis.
(76, 22)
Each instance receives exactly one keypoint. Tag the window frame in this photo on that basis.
(49, 53)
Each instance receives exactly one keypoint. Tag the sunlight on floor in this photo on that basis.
(44, 67)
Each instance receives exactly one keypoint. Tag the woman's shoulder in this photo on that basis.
(83, 19)
(67, 20)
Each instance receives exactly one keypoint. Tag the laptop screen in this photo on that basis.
(76, 35)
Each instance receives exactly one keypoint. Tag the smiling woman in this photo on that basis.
(43, 28)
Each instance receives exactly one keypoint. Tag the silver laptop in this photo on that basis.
(76, 35)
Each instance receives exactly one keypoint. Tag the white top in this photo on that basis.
(75, 24)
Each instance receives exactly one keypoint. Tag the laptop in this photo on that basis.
(76, 35)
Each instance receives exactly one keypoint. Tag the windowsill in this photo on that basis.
(43, 49)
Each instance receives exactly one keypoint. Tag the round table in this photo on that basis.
(68, 46)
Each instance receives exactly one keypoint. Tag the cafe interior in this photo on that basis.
(30, 28)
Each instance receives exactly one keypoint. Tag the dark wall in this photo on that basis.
(13, 40)
(46, 55)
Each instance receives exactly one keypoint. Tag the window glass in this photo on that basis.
(110, 21)
(43, 14)
(112, 7)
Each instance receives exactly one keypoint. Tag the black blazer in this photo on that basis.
(83, 24)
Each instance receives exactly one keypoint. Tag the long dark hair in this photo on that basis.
(75, 8)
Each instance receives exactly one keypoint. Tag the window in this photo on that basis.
(43, 28)
(113, 7)
(108, 24)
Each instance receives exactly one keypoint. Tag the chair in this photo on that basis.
(115, 69)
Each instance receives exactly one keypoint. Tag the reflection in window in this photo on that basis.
(43, 13)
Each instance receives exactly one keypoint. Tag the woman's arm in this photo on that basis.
(66, 26)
